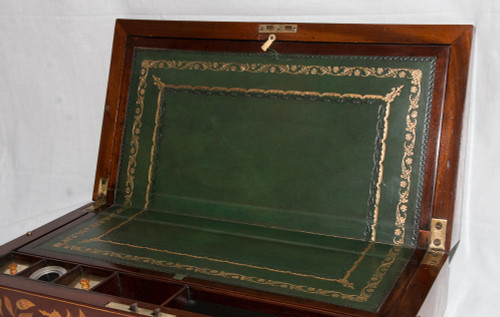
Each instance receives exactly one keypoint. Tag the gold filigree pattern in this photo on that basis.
(407, 161)
(380, 272)
(66, 244)
(314, 70)
(280, 92)
(343, 281)
(136, 130)
(374, 280)
(388, 99)
(89, 228)
(414, 75)
(363, 296)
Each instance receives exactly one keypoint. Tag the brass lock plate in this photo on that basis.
(278, 28)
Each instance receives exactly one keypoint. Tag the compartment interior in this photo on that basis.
(138, 289)
(47, 270)
(85, 278)
(13, 264)
(213, 304)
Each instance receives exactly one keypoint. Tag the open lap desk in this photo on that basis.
(309, 179)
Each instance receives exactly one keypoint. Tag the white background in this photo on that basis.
(54, 62)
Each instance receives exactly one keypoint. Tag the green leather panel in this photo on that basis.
(335, 270)
(323, 144)
(300, 175)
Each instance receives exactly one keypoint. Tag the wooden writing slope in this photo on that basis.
(251, 169)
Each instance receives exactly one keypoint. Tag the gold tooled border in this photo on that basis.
(343, 281)
(388, 99)
(414, 75)
(363, 296)
(67, 244)
(161, 86)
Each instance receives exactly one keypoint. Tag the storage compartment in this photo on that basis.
(13, 264)
(85, 278)
(47, 270)
(213, 304)
(138, 289)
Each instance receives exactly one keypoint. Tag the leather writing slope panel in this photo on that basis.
(294, 174)
(323, 144)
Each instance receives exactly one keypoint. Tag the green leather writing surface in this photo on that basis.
(335, 270)
(292, 174)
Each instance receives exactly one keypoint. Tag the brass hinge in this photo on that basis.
(102, 192)
(438, 234)
(437, 243)
(433, 257)
(278, 28)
